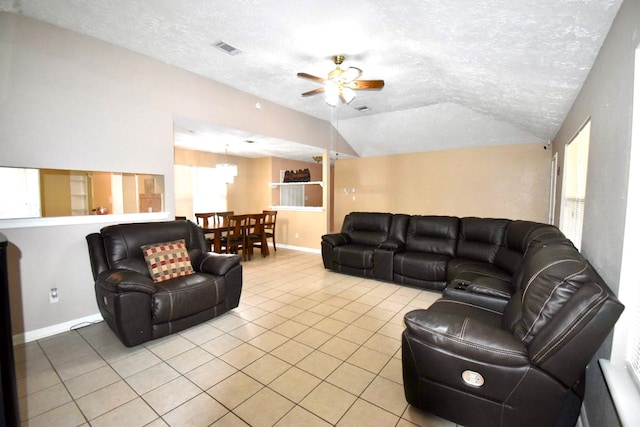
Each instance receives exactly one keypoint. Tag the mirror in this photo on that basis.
(36, 193)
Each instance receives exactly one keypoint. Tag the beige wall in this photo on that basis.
(55, 192)
(300, 229)
(502, 181)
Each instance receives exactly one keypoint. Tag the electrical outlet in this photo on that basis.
(296, 235)
(53, 295)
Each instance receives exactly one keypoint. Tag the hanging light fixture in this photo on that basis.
(227, 170)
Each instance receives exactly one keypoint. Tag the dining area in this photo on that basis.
(228, 232)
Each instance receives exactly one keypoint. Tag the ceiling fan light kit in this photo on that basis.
(340, 84)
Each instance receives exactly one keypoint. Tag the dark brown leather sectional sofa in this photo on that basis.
(522, 313)
(139, 310)
(474, 256)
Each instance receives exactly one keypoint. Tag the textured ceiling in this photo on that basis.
(458, 73)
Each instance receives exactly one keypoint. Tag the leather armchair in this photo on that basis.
(522, 367)
(135, 307)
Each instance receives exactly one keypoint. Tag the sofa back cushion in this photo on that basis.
(518, 238)
(432, 234)
(122, 242)
(562, 311)
(549, 275)
(367, 228)
(480, 238)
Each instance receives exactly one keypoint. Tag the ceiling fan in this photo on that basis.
(340, 84)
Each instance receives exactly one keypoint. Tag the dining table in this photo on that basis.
(218, 232)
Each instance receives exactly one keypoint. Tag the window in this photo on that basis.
(574, 185)
(292, 195)
(199, 189)
(20, 193)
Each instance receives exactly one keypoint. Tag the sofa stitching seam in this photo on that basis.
(468, 344)
(565, 333)
(537, 318)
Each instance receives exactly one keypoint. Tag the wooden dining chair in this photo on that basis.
(256, 234)
(206, 220)
(235, 238)
(222, 218)
(222, 221)
(270, 226)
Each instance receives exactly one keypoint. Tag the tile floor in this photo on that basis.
(306, 347)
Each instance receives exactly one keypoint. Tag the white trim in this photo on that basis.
(298, 208)
(624, 393)
(55, 329)
(300, 248)
(83, 219)
(582, 419)
(553, 189)
(284, 184)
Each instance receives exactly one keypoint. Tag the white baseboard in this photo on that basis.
(55, 329)
(300, 248)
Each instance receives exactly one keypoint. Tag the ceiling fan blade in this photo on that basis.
(366, 84)
(350, 74)
(313, 92)
(311, 77)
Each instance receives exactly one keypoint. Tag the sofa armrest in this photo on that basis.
(336, 239)
(393, 245)
(118, 281)
(459, 334)
(213, 263)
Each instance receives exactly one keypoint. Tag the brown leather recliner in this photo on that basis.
(522, 367)
(139, 310)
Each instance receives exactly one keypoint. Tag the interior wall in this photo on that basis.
(313, 193)
(606, 98)
(510, 181)
(250, 190)
(69, 101)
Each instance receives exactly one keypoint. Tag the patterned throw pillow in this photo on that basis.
(167, 260)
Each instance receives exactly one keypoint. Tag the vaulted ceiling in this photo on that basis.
(457, 73)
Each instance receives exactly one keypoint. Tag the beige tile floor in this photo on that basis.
(306, 347)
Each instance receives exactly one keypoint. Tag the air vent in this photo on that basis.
(363, 108)
(227, 48)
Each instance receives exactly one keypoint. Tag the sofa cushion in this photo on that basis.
(480, 238)
(367, 228)
(518, 237)
(352, 255)
(551, 273)
(122, 242)
(433, 234)
(167, 260)
(420, 265)
(461, 267)
(187, 295)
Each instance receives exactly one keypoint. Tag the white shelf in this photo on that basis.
(276, 184)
